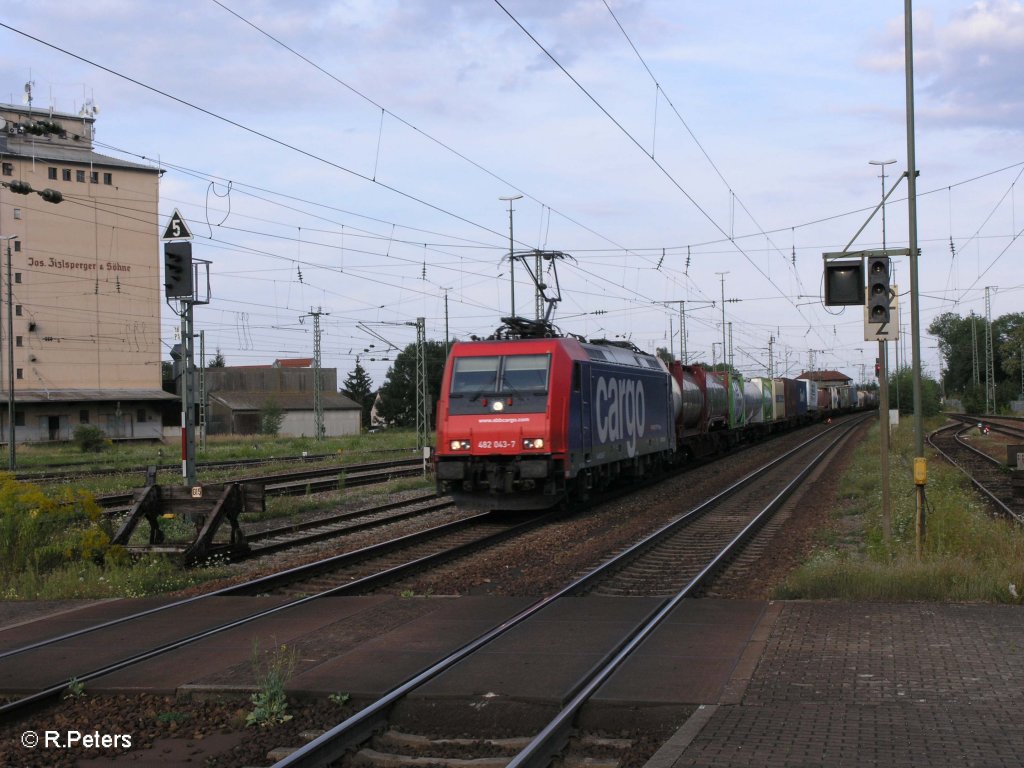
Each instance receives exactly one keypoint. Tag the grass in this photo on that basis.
(967, 555)
(55, 543)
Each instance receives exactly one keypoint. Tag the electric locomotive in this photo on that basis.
(526, 423)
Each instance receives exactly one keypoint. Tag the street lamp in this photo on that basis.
(511, 261)
(10, 360)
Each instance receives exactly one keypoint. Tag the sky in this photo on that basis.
(350, 158)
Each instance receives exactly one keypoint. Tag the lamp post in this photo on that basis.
(511, 261)
(10, 361)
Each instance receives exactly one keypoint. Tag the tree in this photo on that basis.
(218, 360)
(359, 388)
(398, 394)
(957, 336)
(931, 395)
(1008, 333)
(271, 417)
(666, 356)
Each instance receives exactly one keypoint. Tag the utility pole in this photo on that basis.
(975, 376)
(318, 386)
(51, 196)
(538, 295)
(422, 416)
(722, 275)
(683, 353)
(990, 370)
(202, 387)
(920, 463)
(511, 261)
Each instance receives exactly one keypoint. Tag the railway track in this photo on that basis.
(991, 477)
(300, 482)
(666, 562)
(367, 569)
(268, 541)
(335, 575)
(72, 472)
(372, 729)
(222, 616)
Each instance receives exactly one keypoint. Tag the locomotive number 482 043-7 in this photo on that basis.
(485, 444)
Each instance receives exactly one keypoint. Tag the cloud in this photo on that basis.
(970, 68)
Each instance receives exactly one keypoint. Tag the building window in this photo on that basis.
(140, 415)
(66, 174)
(21, 373)
(79, 175)
(17, 213)
(94, 177)
(17, 309)
(51, 173)
(83, 417)
(17, 277)
(17, 247)
(108, 179)
(17, 341)
(8, 169)
(19, 418)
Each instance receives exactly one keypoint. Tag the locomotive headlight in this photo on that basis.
(459, 445)
(533, 442)
(498, 406)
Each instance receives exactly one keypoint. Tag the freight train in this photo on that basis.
(528, 423)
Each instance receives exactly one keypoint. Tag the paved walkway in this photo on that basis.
(842, 684)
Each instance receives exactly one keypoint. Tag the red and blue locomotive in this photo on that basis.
(525, 423)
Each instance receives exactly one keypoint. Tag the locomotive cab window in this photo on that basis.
(474, 374)
(525, 373)
(510, 383)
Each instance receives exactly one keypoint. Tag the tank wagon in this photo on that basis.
(529, 423)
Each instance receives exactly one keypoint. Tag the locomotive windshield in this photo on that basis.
(474, 374)
(506, 375)
(525, 373)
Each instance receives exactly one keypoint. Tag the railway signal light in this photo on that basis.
(178, 270)
(878, 290)
(844, 283)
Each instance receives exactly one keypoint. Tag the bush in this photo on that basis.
(42, 531)
(89, 438)
(271, 417)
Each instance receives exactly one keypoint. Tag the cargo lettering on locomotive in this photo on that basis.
(621, 410)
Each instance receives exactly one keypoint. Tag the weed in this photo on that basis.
(76, 689)
(173, 717)
(341, 699)
(270, 705)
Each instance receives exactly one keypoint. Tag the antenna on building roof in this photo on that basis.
(28, 93)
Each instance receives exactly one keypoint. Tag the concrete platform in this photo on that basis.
(869, 684)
